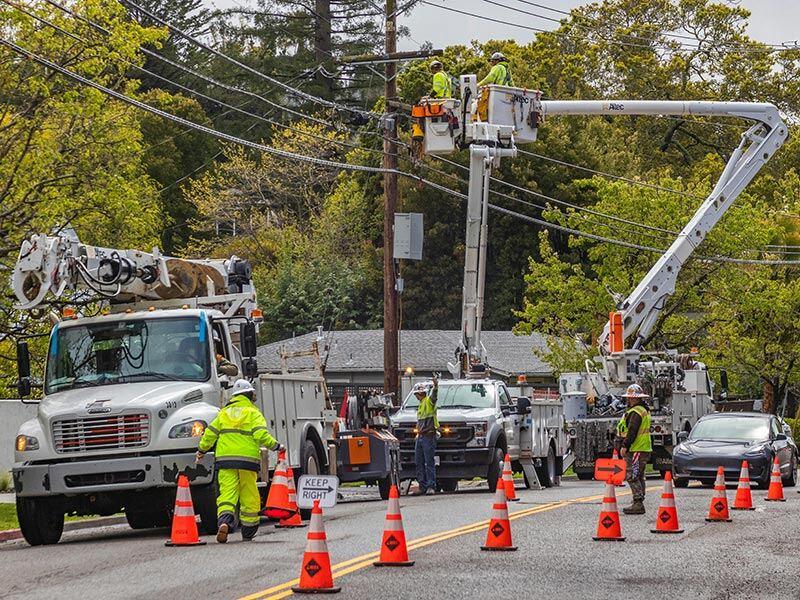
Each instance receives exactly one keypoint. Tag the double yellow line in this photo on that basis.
(365, 560)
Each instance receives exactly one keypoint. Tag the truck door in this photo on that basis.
(509, 421)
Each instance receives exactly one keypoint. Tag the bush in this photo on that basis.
(5, 482)
(795, 425)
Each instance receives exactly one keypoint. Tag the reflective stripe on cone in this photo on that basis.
(498, 536)
(744, 499)
(315, 572)
(508, 481)
(394, 552)
(667, 516)
(718, 509)
(294, 520)
(184, 523)
(775, 493)
(608, 525)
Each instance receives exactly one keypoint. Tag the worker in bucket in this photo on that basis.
(500, 74)
(427, 434)
(636, 446)
(442, 87)
(239, 430)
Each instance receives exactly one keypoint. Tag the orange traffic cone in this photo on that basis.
(498, 537)
(294, 520)
(667, 518)
(278, 506)
(315, 574)
(615, 456)
(608, 526)
(743, 500)
(394, 552)
(184, 524)
(775, 493)
(508, 481)
(718, 510)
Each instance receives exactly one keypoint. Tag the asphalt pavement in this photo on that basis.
(752, 557)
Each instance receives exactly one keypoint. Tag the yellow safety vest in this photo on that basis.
(441, 85)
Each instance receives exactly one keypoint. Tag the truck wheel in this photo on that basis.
(146, 519)
(383, 487)
(495, 472)
(680, 482)
(448, 485)
(204, 499)
(41, 520)
(585, 475)
(547, 472)
(311, 465)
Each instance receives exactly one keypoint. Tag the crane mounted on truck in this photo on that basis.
(490, 122)
(129, 392)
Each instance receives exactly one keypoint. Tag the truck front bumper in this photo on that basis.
(111, 474)
(453, 462)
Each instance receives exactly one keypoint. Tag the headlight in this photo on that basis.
(187, 430)
(26, 443)
(682, 449)
(756, 450)
(479, 439)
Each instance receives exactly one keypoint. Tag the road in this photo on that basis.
(753, 557)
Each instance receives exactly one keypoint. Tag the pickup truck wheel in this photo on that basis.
(494, 472)
(310, 465)
(383, 487)
(41, 520)
(204, 499)
(448, 485)
(547, 472)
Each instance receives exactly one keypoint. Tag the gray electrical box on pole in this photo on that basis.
(408, 236)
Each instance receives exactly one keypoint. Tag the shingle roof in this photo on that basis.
(424, 350)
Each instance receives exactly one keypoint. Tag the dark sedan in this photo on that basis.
(725, 440)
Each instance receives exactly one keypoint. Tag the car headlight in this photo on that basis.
(756, 450)
(188, 430)
(26, 443)
(682, 449)
(479, 437)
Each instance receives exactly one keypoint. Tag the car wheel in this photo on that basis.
(763, 482)
(494, 473)
(791, 481)
(680, 482)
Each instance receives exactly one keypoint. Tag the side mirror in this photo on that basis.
(224, 383)
(523, 405)
(781, 437)
(23, 369)
(683, 436)
(248, 339)
(505, 410)
(250, 368)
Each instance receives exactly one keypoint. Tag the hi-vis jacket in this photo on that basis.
(239, 430)
(499, 75)
(441, 85)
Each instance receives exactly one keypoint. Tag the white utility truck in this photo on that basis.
(490, 121)
(127, 393)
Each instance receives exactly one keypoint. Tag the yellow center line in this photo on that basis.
(365, 560)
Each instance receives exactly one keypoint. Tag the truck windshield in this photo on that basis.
(744, 429)
(127, 351)
(472, 395)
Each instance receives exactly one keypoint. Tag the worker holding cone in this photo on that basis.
(184, 524)
(315, 573)
(278, 504)
(775, 492)
(667, 517)
(394, 552)
(744, 499)
(294, 520)
(508, 481)
(718, 510)
(498, 536)
(239, 430)
(608, 525)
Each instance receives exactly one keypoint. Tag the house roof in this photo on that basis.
(424, 350)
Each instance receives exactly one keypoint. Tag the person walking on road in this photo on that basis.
(239, 430)
(636, 445)
(442, 87)
(427, 432)
(500, 73)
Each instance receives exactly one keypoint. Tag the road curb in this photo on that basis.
(16, 534)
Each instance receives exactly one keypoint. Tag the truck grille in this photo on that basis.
(101, 433)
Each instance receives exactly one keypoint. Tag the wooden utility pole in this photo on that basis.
(323, 45)
(390, 316)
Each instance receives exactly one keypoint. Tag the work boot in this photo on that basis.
(637, 508)
(222, 533)
(430, 492)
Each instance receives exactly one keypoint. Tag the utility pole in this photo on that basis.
(390, 316)
(323, 45)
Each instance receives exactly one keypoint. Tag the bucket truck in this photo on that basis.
(490, 122)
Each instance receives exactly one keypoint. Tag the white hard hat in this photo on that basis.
(420, 388)
(634, 391)
(241, 386)
(436, 63)
(498, 56)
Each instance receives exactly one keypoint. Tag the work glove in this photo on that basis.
(280, 448)
(199, 456)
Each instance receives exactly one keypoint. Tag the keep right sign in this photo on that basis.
(317, 487)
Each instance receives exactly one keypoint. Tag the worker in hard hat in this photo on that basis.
(442, 87)
(427, 434)
(500, 74)
(239, 430)
(636, 446)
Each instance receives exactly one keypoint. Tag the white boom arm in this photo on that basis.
(53, 265)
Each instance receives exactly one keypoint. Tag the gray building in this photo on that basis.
(355, 358)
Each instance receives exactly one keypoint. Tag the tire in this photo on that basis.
(791, 481)
(763, 483)
(204, 499)
(310, 465)
(495, 470)
(585, 475)
(448, 485)
(41, 520)
(547, 472)
(384, 485)
(147, 519)
(680, 482)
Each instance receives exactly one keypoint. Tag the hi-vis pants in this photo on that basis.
(238, 487)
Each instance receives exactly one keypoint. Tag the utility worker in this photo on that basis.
(636, 445)
(500, 73)
(427, 433)
(224, 366)
(442, 88)
(239, 430)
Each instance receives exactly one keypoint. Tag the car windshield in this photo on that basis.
(744, 429)
(468, 395)
(126, 351)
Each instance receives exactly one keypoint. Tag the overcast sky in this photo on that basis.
(772, 21)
